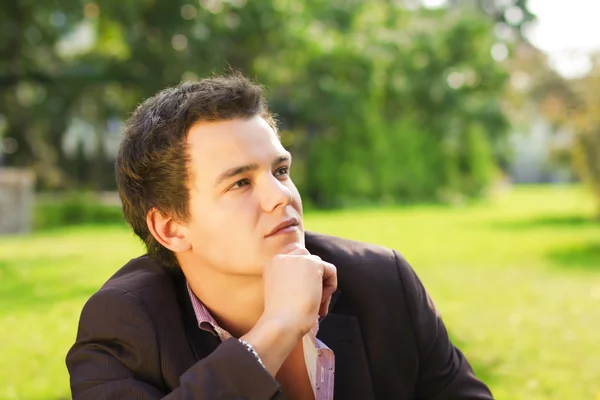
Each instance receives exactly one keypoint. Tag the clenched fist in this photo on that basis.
(298, 288)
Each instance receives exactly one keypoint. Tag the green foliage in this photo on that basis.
(400, 116)
(383, 104)
(78, 208)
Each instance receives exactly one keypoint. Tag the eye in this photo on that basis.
(282, 171)
(240, 183)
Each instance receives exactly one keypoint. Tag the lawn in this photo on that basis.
(516, 278)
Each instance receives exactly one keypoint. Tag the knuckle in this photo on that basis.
(315, 259)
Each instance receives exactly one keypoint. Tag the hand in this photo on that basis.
(298, 288)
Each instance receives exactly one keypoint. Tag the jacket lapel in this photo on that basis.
(341, 333)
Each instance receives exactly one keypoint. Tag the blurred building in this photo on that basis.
(16, 200)
(535, 154)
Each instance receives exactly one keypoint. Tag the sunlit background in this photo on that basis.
(463, 133)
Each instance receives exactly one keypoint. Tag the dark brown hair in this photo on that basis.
(152, 166)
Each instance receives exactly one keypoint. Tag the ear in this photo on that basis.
(167, 231)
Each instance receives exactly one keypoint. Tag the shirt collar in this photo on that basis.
(205, 319)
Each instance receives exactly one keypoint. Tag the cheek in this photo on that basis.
(217, 230)
(296, 198)
(206, 217)
(229, 217)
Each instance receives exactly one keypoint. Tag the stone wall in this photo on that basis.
(16, 200)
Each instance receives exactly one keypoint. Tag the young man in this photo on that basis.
(234, 300)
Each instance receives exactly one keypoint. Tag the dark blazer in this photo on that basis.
(138, 338)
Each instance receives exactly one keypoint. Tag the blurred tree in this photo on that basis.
(509, 15)
(380, 102)
(571, 106)
(33, 101)
(394, 103)
(575, 105)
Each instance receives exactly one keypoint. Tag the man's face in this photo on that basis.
(240, 192)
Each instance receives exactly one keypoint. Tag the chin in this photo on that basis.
(289, 246)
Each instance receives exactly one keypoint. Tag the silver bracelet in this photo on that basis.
(251, 349)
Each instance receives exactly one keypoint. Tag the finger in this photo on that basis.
(322, 310)
(324, 307)
(329, 287)
(329, 277)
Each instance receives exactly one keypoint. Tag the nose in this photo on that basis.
(275, 194)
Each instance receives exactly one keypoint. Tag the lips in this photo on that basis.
(284, 224)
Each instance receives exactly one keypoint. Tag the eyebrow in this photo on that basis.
(231, 172)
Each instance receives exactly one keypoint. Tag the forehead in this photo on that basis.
(217, 146)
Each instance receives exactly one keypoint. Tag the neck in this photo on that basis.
(235, 302)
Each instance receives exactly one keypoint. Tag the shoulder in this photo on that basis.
(361, 263)
(142, 283)
(121, 330)
(378, 286)
(140, 274)
(346, 250)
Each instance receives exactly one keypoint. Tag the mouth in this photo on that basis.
(287, 225)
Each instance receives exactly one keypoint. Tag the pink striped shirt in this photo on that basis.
(320, 360)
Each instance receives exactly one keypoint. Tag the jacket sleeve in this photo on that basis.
(444, 372)
(116, 356)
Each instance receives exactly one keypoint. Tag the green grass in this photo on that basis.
(516, 278)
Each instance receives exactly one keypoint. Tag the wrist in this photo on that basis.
(273, 340)
(280, 327)
(253, 351)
